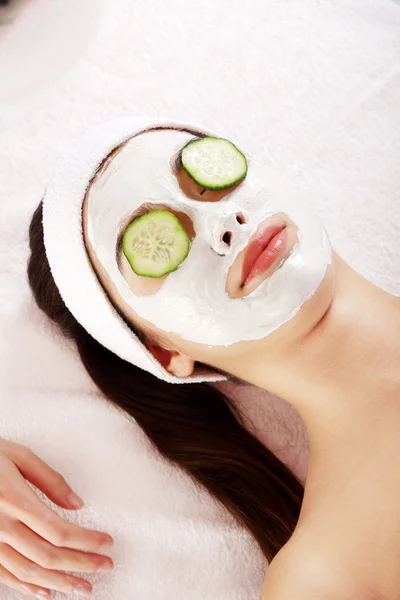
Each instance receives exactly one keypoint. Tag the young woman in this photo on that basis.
(246, 286)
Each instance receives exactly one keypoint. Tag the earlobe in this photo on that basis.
(179, 365)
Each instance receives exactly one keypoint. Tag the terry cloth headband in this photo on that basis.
(69, 262)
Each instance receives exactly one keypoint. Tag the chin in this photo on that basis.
(288, 335)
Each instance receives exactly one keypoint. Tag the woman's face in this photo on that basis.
(205, 308)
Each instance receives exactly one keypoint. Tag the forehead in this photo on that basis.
(154, 152)
(137, 172)
(142, 170)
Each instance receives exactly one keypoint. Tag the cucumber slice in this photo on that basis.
(155, 243)
(214, 163)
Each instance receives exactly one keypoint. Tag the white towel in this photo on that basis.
(62, 228)
(313, 88)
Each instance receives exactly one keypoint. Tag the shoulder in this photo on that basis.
(299, 573)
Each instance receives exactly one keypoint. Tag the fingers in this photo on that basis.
(8, 579)
(58, 532)
(30, 573)
(36, 544)
(29, 544)
(44, 477)
(19, 501)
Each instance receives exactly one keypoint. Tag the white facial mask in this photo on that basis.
(192, 301)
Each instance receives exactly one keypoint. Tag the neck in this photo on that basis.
(345, 367)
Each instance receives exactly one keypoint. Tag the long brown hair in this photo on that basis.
(194, 426)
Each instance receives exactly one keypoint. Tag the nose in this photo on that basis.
(226, 235)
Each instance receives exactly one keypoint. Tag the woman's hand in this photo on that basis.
(36, 543)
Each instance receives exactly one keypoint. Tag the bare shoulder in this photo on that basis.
(305, 573)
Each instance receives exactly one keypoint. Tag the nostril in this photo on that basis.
(240, 218)
(227, 237)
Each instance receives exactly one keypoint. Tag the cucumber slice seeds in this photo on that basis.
(214, 163)
(155, 243)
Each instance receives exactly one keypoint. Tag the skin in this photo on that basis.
(36, 544)
(338, 363)
(344, 379)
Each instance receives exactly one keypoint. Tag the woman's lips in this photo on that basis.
(263, 251)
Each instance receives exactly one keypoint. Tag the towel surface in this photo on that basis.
(311, 87)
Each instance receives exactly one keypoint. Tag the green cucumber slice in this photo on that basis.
(155, 243)
(214, 163)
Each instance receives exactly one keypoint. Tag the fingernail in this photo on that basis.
(106, 543)
(105, 565)
(84, 589)
(74, 500)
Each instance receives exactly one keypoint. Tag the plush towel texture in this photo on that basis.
(314, 89)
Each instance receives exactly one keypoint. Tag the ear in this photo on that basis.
(174, 362)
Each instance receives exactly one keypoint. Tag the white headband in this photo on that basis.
(69, 262)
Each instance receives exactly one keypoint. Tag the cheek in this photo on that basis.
(147, 286)
(141, 286)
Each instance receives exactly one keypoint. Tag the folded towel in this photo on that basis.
(69, 262)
